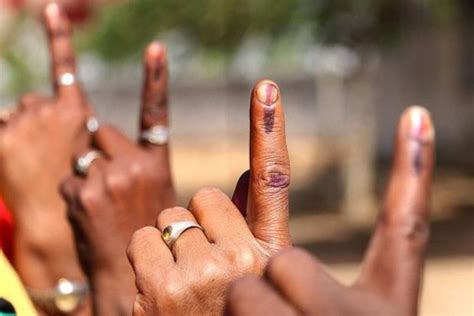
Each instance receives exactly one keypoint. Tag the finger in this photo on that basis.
(112, 142)
(303, 281)
(150, 258)
(69, 189)
(253, 296)
(154, 112)
(32, 101)
(95, 165)
(221, 220)
(7, 114)
(394, 260)
(155, 88)
(63, 61)
(192, 242)
(267, 213)
(239, 198)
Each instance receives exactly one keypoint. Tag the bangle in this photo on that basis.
(64, 298)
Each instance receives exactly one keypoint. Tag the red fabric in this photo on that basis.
(6, 231)
(79, 11)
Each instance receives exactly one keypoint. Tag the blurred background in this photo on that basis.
(346, 68)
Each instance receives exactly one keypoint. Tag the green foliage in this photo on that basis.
(356, 22)
(22, 79)
(215, 29)
(211, 24)
(217, 25)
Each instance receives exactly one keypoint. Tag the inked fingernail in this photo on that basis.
(156, 53)
(156, 50)
(267, 93)
(52, 8)
(421, 131)
(421, 128)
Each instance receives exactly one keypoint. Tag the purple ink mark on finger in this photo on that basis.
(417, 162)
(268, 119)
(279, 180)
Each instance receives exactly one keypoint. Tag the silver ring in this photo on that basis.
(172, 232)
(92, 124)
(67, 79)
(84, 162)
(156, 135)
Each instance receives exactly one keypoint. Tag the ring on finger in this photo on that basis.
(84, 162)
(172, 232)
(92, 124)
(67, 79)
(156, 135)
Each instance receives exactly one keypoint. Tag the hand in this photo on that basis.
(122, 192)
(36, 146)
(191, 278)
(296, 283)
(37, 143)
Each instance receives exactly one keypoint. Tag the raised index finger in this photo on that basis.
(63, 60)
(394, 261)
(155, 87)
(267, 213)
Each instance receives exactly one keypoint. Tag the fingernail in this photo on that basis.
(156, 51)
(52, 8)
(421, 128)
(267, 93)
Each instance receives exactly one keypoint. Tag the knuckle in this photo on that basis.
(166, 215)
(416, 230)
(136, 169)
(89, 198)
(244, 258)
(413, 228)
(274, 177)
(206, 194)
(139, 238)
(173, 292)
(214, 268)
(117, 182)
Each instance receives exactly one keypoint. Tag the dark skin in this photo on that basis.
(296, 283)
(239, 236)
(125, 189)
(37, 142)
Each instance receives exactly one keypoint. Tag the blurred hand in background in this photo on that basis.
(37, 141)
(123, 191)
(296, 283)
